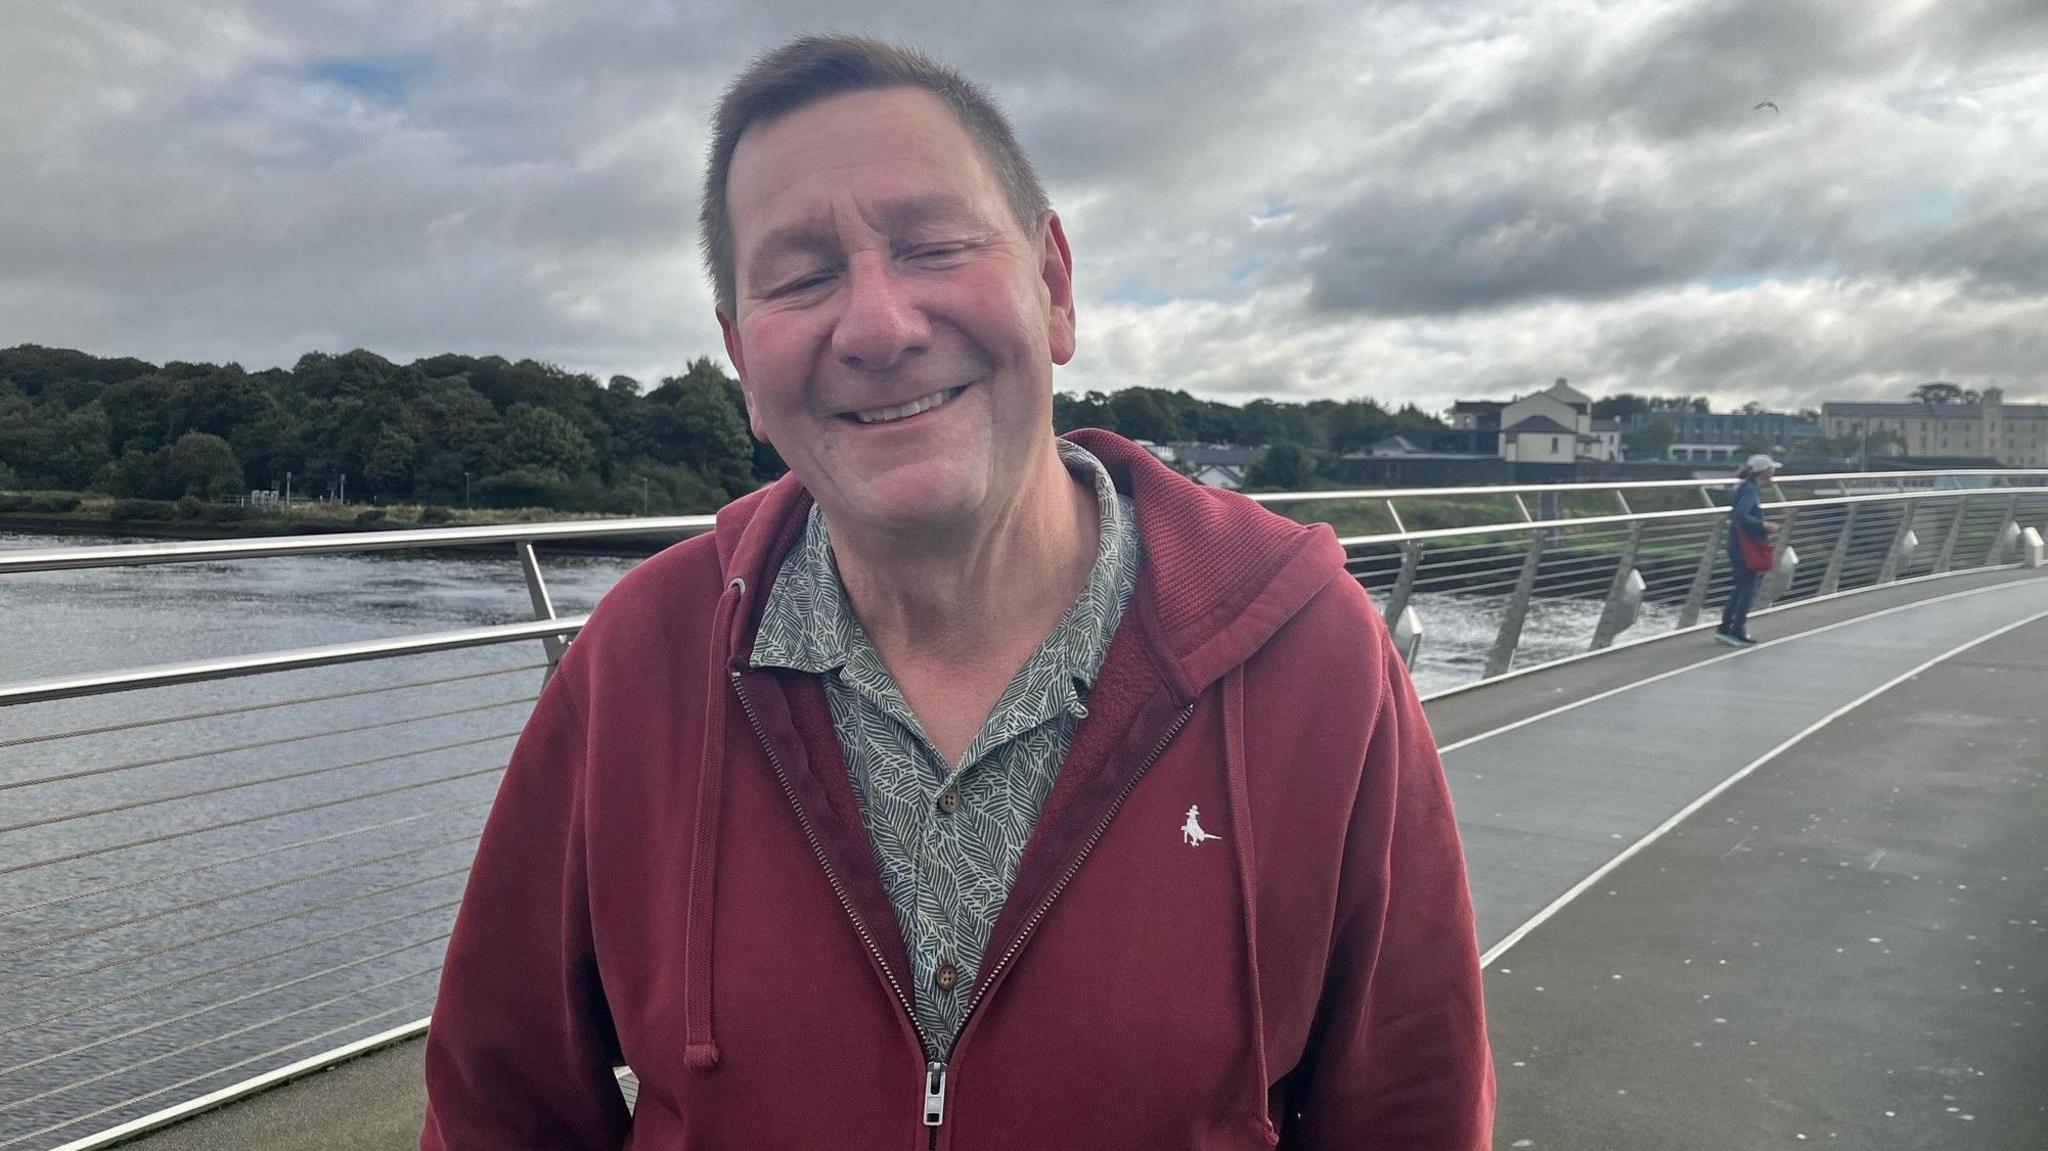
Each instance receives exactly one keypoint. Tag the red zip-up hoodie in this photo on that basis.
(676, 876)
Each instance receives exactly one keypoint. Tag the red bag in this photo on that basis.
(1758, 555)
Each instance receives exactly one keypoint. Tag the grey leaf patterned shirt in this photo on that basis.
(947, 838)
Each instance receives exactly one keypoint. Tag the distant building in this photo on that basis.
(1714, 437)
(1539, 439)
(1477, 415)
(1703, 453)
(1215, 465)
(2016, 435)
(1603, 442)
(1554, 425)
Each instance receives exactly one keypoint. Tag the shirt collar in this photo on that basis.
(809, 625)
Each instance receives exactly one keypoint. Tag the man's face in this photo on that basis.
(896, 328)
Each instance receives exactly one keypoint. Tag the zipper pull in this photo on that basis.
(934, 1094)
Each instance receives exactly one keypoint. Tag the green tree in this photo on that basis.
(1621, 406)
(1070, 412)
(51, 448)
(1939, 392)
(201, 464)
(1285, 467)
(388, 466)
(1140, 414)
(691, 421)
(541, 441)
(1650, 441)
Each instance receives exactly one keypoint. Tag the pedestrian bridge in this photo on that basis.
(1727, 898)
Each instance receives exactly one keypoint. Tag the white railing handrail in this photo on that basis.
(1720, 511)
(201, 551)
(1630, 485)
(251, 547)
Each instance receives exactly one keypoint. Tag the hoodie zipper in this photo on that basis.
(932, 1083)
(934, 1072)
(988, 980)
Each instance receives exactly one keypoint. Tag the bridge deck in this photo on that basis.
(1844, 949)
(1559, 772)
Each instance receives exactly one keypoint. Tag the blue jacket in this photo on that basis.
(1746, 515)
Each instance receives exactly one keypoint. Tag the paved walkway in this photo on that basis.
(1845, 949)
(1546, 802)
(1548, 798)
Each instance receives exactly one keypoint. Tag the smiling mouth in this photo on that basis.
(905, 411)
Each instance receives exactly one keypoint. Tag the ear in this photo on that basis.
(1056, 268)
(738, 355)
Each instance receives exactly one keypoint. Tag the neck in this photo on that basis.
(1008, 581)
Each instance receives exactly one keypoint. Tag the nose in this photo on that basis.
(881, 325)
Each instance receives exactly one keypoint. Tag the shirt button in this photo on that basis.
(949, 801)
(946, 976)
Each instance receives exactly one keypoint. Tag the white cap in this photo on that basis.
(1760, 463)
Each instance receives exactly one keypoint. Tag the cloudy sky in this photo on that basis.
(1413, 201)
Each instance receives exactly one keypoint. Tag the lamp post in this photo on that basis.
(465, 491)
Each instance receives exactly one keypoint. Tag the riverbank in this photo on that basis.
(81, 514)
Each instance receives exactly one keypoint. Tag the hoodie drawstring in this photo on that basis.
(1247, 876)
(700, 1046)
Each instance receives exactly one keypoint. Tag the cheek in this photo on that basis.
(775, 365)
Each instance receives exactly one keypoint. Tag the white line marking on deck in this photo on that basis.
(1684, 813)
(1611, 692)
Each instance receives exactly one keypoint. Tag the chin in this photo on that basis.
(923, 499)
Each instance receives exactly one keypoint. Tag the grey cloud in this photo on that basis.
(1448, 195)
(1395, 252)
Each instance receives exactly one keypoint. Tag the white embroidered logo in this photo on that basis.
(1192, 832)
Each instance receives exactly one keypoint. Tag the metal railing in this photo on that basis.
(202, 891)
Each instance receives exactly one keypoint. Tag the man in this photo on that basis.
(968, 788)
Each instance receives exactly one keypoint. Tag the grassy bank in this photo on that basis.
(82, 513)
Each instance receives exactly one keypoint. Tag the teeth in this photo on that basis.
(905, 411)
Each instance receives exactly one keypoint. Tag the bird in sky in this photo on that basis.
(1766, 104)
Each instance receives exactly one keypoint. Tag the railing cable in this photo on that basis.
(88, 853)
(272, 705)
(218, 789)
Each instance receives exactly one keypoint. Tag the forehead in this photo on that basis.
(880, 152)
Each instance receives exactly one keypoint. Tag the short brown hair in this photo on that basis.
(813, 68)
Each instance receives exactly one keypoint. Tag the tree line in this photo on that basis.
(443, 430)
(457, 430)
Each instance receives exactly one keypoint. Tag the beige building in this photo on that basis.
(2016, 435)
(1555, 426)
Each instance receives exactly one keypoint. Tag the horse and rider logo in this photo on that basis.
(1192, 832)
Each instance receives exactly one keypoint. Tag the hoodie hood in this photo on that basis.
(1221, 574)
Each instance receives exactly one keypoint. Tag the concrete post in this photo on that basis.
(2008, 533)
(1618, 613)
(1903, 543)
(1955, 531)
(1404, 584)
(1408, 636)
(1696, 595)
(1510, 637)
(1831, 580)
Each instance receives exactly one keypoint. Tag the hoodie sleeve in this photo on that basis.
(1398, 1058)
(521, 1048)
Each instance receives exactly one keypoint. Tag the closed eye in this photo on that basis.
(801, 285)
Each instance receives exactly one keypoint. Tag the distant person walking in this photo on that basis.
(1750, 553)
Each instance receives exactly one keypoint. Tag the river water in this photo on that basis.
(201, 883)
